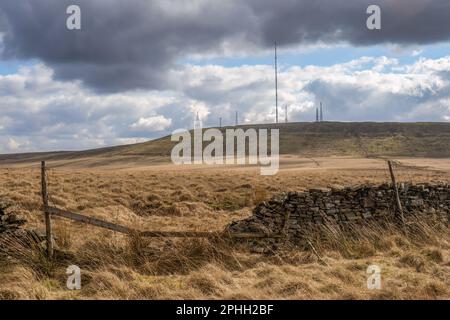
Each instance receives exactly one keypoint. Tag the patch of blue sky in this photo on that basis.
(326, 56)
(13, 66)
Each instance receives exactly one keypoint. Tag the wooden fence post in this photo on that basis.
(48, 221)
(397, 197)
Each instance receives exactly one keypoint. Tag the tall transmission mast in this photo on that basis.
(285, 113)
(236, 118)
(197, 122)
(276, 83)
(220, 122)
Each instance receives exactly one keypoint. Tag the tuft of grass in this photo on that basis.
(412, 260)
(22, 248)
(260, 195)
(434, 255)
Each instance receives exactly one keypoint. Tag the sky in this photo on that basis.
(138, 70)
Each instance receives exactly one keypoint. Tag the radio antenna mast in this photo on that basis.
(285, 113)
(276, 83)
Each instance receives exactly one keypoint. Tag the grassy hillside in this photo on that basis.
(307, 139)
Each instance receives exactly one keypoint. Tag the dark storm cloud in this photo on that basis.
(136, 43)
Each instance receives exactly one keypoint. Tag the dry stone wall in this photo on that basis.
(295, 212)
(9, 219)
(12, 234)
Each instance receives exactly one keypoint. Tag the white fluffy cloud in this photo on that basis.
(39, 113)
(13, 144)
(155, 123)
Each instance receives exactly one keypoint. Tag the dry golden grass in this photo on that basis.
(164, 197)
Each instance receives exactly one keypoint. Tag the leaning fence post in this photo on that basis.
(48, 221)
(397, 197)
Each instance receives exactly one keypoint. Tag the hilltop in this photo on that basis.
(297, 138)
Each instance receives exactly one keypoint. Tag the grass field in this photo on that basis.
(165, 197)
(305, 139)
